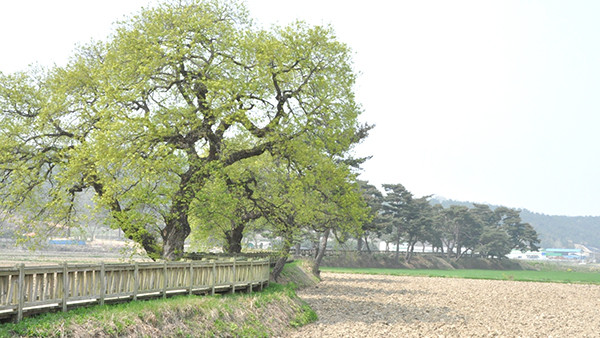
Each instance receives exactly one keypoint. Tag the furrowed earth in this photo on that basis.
(351, 305)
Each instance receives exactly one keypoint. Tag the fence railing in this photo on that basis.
(34, 289)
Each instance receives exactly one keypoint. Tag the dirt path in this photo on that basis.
(393, 306)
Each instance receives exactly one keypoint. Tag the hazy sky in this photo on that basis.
(486, 101)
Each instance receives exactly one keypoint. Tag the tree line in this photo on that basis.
(400, 217)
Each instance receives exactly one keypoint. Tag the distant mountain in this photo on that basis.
(554, 231)
(564, 231)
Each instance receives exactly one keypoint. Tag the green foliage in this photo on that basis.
(494, 242)
(153, 120)
(480, 229)
(454, 230)
(306, 315)
(374, 200)
(396, 209)
(407, 218)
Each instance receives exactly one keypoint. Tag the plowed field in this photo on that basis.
(396, 306)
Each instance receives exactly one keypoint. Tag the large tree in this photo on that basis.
(178, 93)
(419, 220)
(396, 208)
(374, 227)
(522, 236)
(316, 192)
(459, 227)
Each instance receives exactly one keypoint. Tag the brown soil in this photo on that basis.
(397, 306)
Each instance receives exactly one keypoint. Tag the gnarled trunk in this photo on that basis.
(409, 251)
(176, 230)
(285, 252)
(322, 249)
(233, 238)
(175, 233)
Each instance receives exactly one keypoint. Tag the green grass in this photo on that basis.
(517, 275)
(299, 273)
(239, 315)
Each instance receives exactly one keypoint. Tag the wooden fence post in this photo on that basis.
(165, 280)
(191, 278)
(102, 283)
(136, 279)
(214, 277)
(233, 277)
(65, 286)
(265, 266)
(21, 291)
(251, 275)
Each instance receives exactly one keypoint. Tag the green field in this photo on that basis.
(517, 275)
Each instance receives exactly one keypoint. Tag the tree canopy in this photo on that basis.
(177, 95)
(456, 230)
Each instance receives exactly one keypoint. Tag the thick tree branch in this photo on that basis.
(248, 153)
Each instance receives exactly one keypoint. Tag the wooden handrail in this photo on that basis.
(28, 289)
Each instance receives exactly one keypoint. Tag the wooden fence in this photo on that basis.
(35, 289)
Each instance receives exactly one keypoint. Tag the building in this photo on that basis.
(561, 253)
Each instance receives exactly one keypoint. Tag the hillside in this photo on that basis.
(564, 231)
(554, 231)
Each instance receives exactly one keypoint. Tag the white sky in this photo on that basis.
(485, 101)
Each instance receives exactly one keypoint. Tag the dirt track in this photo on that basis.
(393, 306)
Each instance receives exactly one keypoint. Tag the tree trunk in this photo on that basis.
(176, 230)
(298, 249)
(284, 254)
(278, 267)
(359, 243)
(322, 249)
(457, 244)
(449, 249)
(409, 251)
(367, 244)
(174, 235)
(233, 239)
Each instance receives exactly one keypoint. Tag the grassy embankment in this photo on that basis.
(554, 276)
(258, 314)
(388, 260)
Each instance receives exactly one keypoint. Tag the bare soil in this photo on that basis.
(397, 306)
